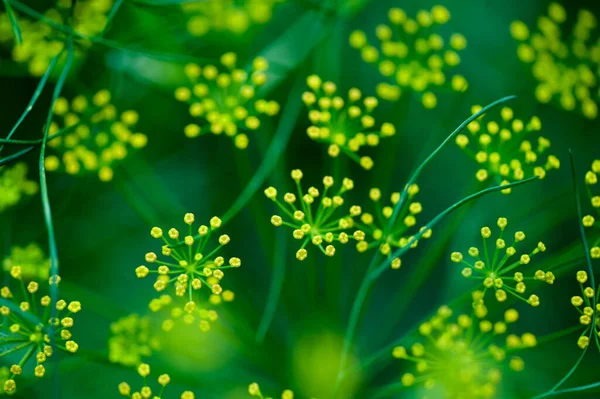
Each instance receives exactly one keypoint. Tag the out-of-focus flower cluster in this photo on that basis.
(566, 65)
(463, 356)
(40, 42)
(345, 124)
(227, 15)
(131, 340)
(34, 264)
(14, 185)
(91, 136)
(224, 99)
(413, 55)
(30, 330)
(505, 148)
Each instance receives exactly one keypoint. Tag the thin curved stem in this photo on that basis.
(54, 264)
(34, 98)
(415, 175)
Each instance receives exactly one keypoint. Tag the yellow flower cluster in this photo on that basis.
(187, 315)
(413, 55)
(377, 225)
(14, 185)
(95, 137)
(224, 99)
(254, 390)
(345, 124)
(588, 317)
(131, 339)
(589, 221)
(196, 267)
(462, 357)
(227, 15)
(492, 269)
(504, 148)
(146, 391)
(40, 43)
(32, 260)
(321, 226)
(566, 70)
(31, 329)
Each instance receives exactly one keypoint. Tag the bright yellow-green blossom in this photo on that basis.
(40, 43)
(146, 391)
(507, 149)
(321, 226)
(29, 329)
(96, 136)
(227, 15)
(588, 317)
(376, 225)
(254, 390)
(566, 65)
(131, 339)
(223, 99)
(202, 317)
(32, 260)
(194, 268)
(589, 221)
(345, 124)
(494, 265)
(463, 356)
(14, 185)
(413, 55)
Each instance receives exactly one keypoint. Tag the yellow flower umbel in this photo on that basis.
(40, 43)
(131, 339)
(345, 125)
(463, 357)
(32, 260)
(97, 137)
(14, 185)
(385, 237)
(507, 149)
(146, 392)
(413, 55)
(495, 269)
(566, 69)
(254, 390)
(195, 268)
(227, 15)
(588, 317)
(589, 221)
(321, 226)
(31, 330)
(223, 99)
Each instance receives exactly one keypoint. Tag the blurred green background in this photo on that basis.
(102, 228)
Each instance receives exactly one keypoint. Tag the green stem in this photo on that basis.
(279, 262)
